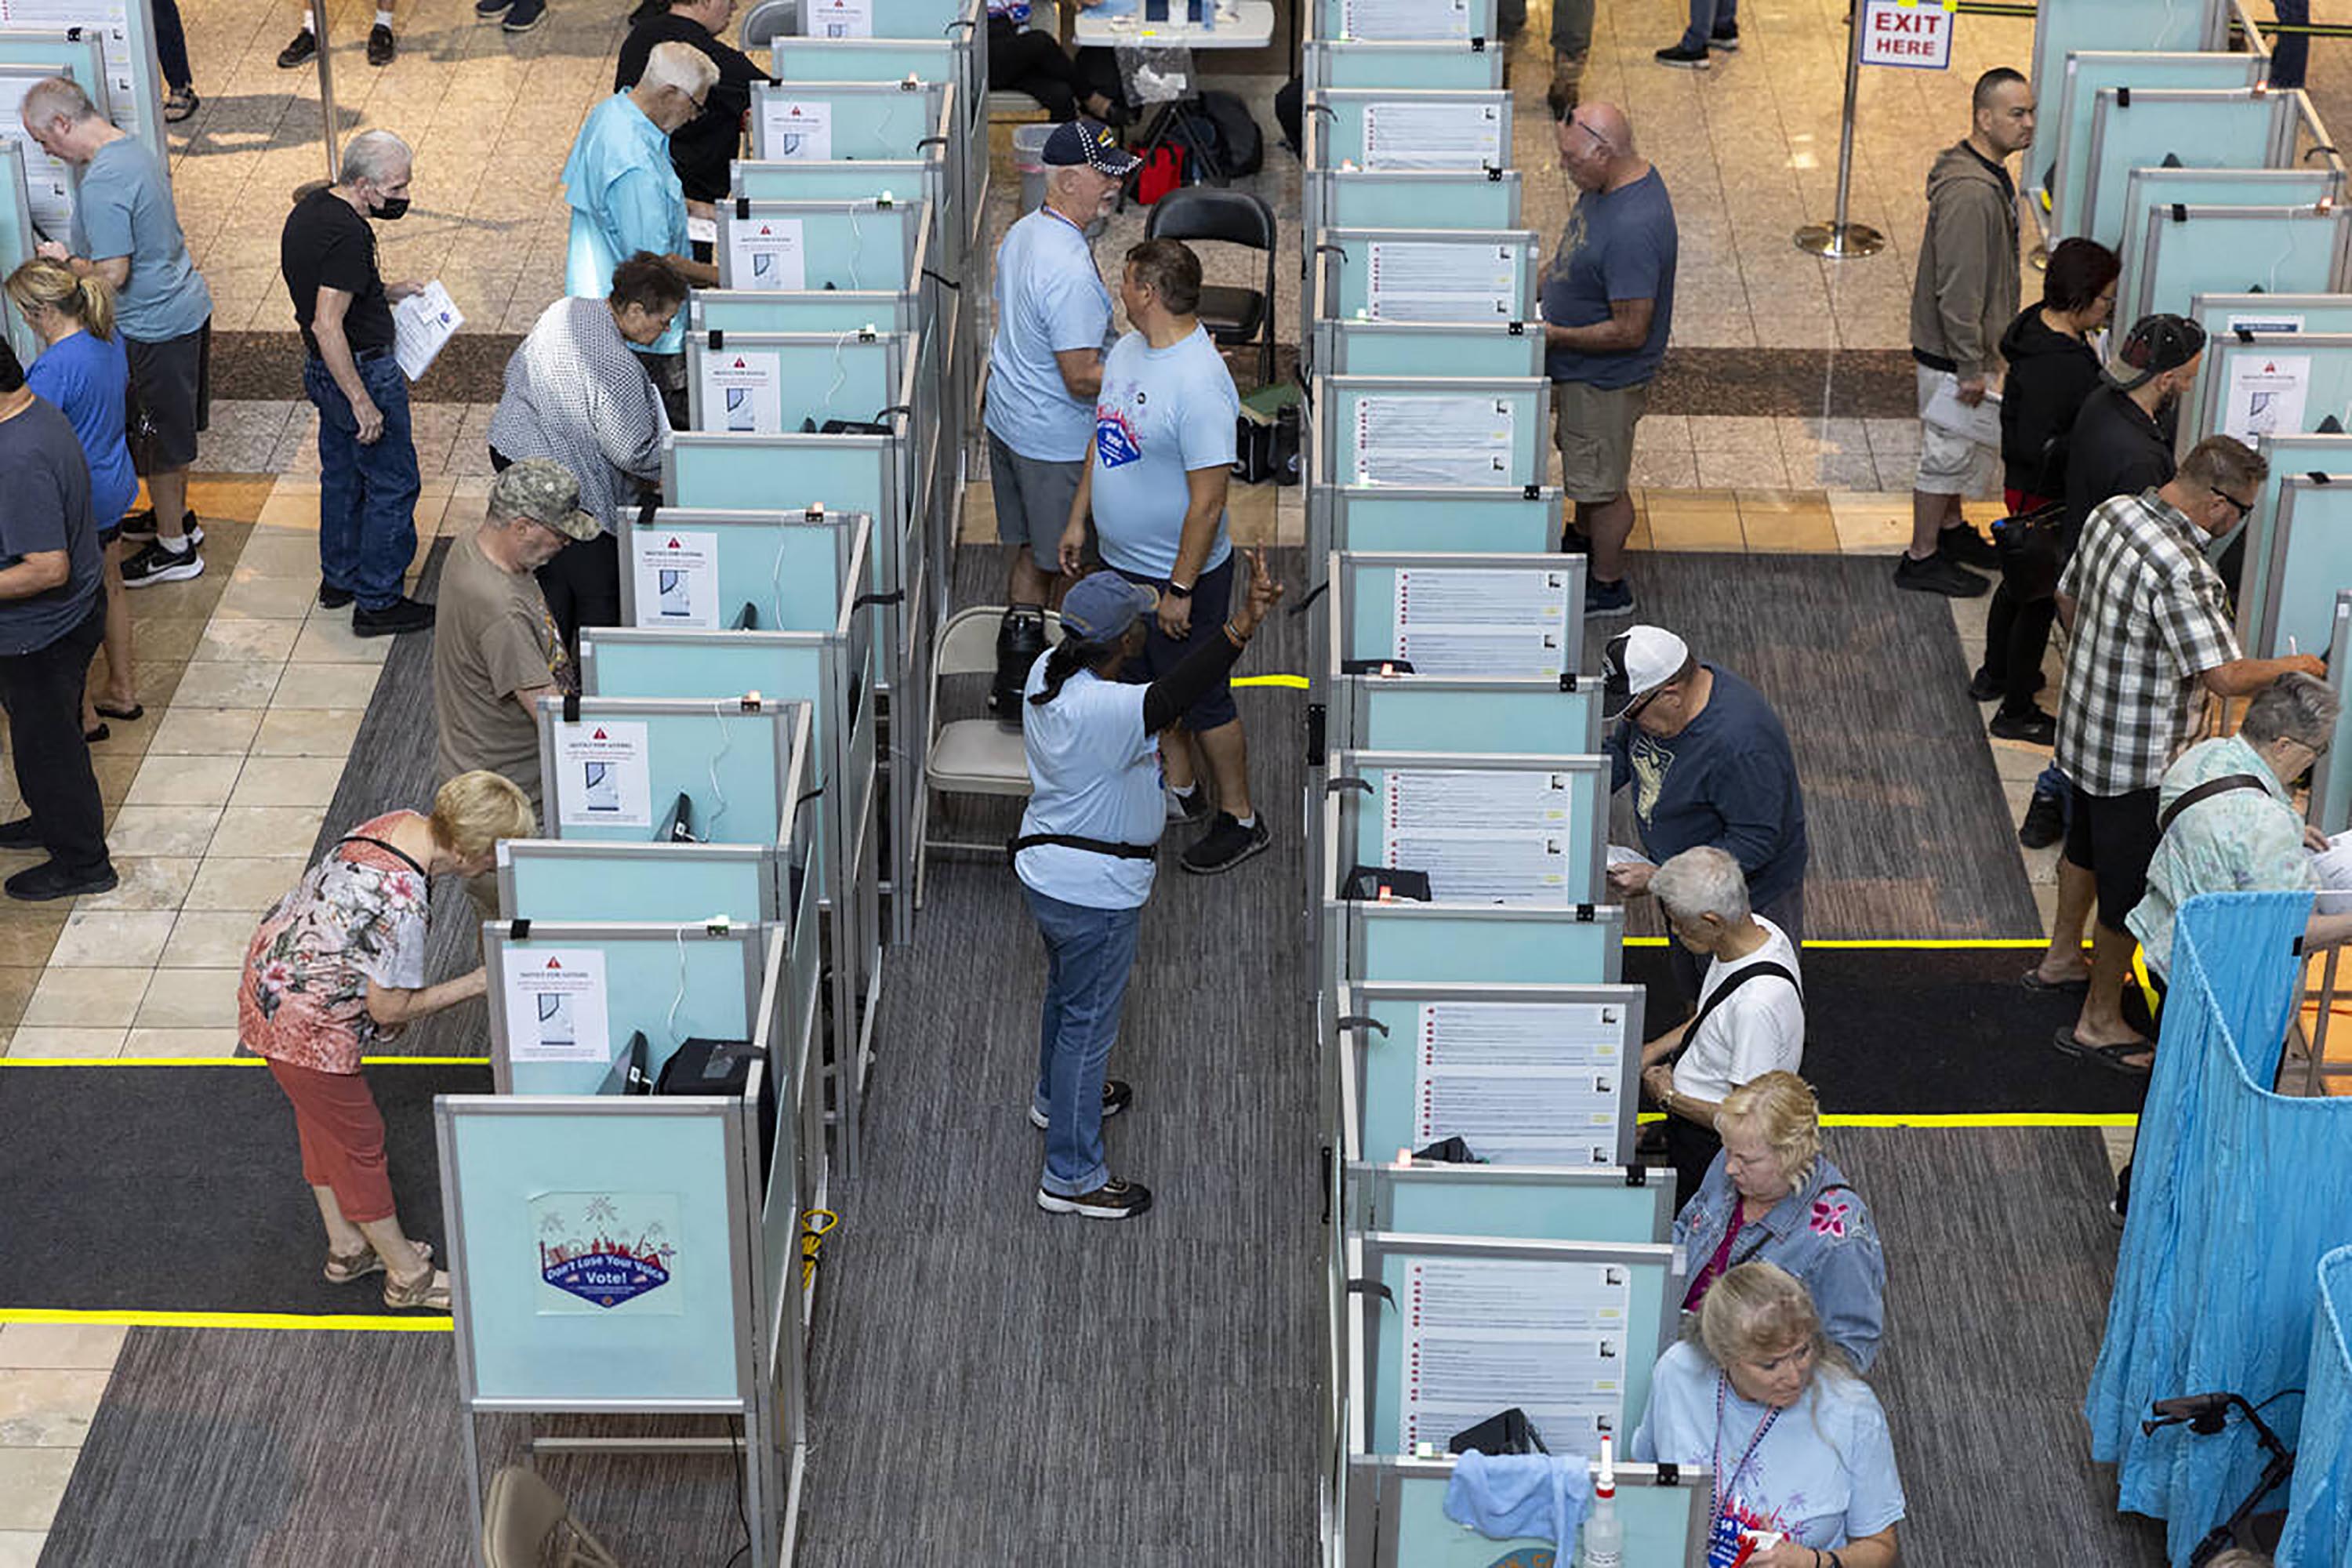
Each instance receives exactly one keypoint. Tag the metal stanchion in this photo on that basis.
(327, 90)
(1839, 239)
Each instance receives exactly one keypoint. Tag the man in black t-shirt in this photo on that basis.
(368, 480)
(701, 149)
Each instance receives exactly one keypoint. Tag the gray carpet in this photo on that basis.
(1910, 834)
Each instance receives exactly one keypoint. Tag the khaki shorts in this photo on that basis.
(1594, 427)
(1949, 465)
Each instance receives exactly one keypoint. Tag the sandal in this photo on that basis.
(128, 715)
(182, 103)
(343, 1267)
(2112, 1057)
(2032, 980)
(430, 1291)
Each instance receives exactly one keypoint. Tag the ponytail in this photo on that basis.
(88, 301)
(94, 304)
(1069, 657)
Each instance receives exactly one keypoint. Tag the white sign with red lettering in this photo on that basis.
(1916, 33)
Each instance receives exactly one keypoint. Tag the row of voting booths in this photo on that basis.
(2225, 200)
(732, 799)
(1467, 964)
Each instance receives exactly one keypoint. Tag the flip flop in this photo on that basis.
(2112, 1057)
(128, 715)
(2032, 980)
(92, 737)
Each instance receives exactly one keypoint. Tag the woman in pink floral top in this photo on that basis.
(337, 966)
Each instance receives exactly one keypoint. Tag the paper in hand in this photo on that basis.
(421, 325)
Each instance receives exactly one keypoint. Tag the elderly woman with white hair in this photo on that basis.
(1751, 1007)
(1799, 1460)
(1773, 1197)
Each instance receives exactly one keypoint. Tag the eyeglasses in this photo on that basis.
(1600, 143)
(2244, 508)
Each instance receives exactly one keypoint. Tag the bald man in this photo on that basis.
(1608, 307)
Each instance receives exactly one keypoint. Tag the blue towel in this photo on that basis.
(1507, 1495)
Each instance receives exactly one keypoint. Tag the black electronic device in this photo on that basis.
(1365, 884)
(746, 619)
(1504, 1432)
(677, 823)
(702, 1066)
(635, 1078)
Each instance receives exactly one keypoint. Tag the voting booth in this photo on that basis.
(2062, 29)
(2310, 560)
(1479, 349)
(27, 55)
(2192, 250)
(2160, 202)
(1454, 65)
(2069, 99)
(17, 242)
(2288, 454)
(1519, 519)
(770, 383)
(1427, 273)
(1415, 198)
(1395, 1518)
(2235, 128)
(1463, 21)
(2331, 780)
(1424, 433)
(1537, 1203)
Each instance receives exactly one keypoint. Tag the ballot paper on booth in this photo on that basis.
(768, 253)
(124, 104)
(1484, 1334)
(799, 128)
(2334, 867)
(605, 779)
(840, 19)
(1523, 1083)
(1404, 20)
(1481, 623)
(1434, 440)
(555, 1004)
(1421, 135)
(48, 181)
(2266, 395)
(677, 578)
(742, 392)
(1436, 280)
(1482, 836)
(422, 326)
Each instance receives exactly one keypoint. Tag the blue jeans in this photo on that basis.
(367, 495)
(1705, 16)
(1088, 955)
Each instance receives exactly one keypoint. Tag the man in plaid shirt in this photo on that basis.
(2149, 622)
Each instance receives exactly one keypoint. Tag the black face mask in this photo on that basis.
(394, 208)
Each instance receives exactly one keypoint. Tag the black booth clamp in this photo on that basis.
(2245, 334)
(866, 334)
(518, 930)
(1567, 681)
(1312, 594)
(2123, 98)
(1493, 175)
(717, 925)
(1364, 1021)
(716, 339)
(2179, 212)
(815, 513)
(572, 707)
(894, 596)
(743, 207)
(1637, 1176)
(2317, 478)
(749, 702)
(1477, 46)
(1347, 781)
(1669, 1475)
(1371, 1288)
(1585, 914)
(1518, 329)
(912, 83)
(1532, 492)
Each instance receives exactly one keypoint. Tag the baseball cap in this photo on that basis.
(1102, 604)
(1636, 662)
(2154, 345)
(543, 490)
(1091, 143)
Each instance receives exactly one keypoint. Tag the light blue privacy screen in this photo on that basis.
(2277, 316)
(817, 376)
(875, 60)
(897, 181)
(2310, 563)
(1522, 1204)
(2158, 190)
(1579, 795)
(855, 244)
(1454, 66)
(737, 765)
(1483, 349)
(1430, 275)
(2225, 130)
(27, 55)
(2320, 362)
(2062, 28)
(1666, 1526)
(1496, 518)
(15, 241)
(1415, 198)
(861, 120)
(1477, 129)
(1409, 431)
(1439, 943)
(810, 311)
(673, 981)
(841, 473)
(1441, 714)
(2287, 454)
(2220, 249)
(2319, 1518)
(519, 1177)
(1404, 20)
(795, 571)
(579, 879)
(2331, 785)
(1493, 615)
(2065, 121)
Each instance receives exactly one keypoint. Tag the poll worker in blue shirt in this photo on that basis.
(1084, 853)
(1162, 460)
(1608, 309)
(1797, 1443)
(626, 197)
(1045, 369)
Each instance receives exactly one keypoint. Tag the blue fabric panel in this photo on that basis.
(2319, 1520)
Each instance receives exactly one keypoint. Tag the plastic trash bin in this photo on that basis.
(1029, 157)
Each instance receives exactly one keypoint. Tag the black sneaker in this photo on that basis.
(525, 14)
(1607, 600)
(2044, 824)
(155, 564)
(1225, 845)
(1116, 1097)
(1187, 809)
(1574, 541)
(383, 48)
(2034, 727)
(1685, 59)
(400, 615)
(1938, 575)
(1967, 546)
(1725, 38)
(1112, 1200)
(489, 8)
(301, 51)
(1984, 687)
(19, 835)
(140, 526)
(333, 599)
(50, 880)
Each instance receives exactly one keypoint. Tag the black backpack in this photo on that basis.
(1230, 139)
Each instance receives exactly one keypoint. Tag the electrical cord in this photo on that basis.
(669, 1024)
(726, 744)
(736, 1435)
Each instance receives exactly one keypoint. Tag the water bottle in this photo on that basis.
(1603, 1541)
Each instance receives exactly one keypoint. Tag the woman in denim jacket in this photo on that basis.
(1772, 1194)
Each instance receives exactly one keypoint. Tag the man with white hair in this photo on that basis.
(367, 460)
(1045, 369)
(1751, 1007)
(625, 196)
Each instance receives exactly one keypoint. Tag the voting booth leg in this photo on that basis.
(1839, 240)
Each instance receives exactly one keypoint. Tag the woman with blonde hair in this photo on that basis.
(1771, 1194)
(84, 375)
(339, 966)
(1800, 1464)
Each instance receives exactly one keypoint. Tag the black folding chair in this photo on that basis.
(1232, 218)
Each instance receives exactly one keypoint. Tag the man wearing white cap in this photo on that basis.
(1709, 763)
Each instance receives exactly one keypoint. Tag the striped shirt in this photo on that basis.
(576, 393)
(2150, 617)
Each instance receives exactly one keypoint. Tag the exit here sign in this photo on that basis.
(1913, 33)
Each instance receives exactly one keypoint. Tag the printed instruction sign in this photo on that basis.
(1437, 281)
(840, 18)
(766, 253)
(1484, 1334)
(606, 1252)
(1404, 21)
(555, 1004)
(48, 182)
(1916, 33)
(112, 19)
(605, 774)
(1522, 1083)
(2266, 395)
(1434, 440)
(796, 129)
(742, 390)
(1482, 623)
(1432, 136)
(1484, 836)
(677, 578)
(2248, 321)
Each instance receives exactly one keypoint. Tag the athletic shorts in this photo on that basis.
(1595, 426)
(172, 398)
(2113, 837)
(1034, 497)
(1211, 598)
(1949, 465)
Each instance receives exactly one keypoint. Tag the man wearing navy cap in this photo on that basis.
(1053, 325)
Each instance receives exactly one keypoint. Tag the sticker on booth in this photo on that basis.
(602, 1252)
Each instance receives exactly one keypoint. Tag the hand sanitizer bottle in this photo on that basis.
(1604, 1534)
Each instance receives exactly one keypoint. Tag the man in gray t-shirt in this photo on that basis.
(126, 232)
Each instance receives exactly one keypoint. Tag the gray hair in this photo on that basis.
(58, 97)
(375, 156)
(1702, 881)
(679, 66)
(2295, 706)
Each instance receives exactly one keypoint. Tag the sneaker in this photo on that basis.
(400, 615)
(1225, 845)
(50, 880)
(2034, 727)
(1116, 1097)
(155, 564)
(1187, 809)
(1112, 1200)
(2044, 824)
(141, 526)
(1607, 599)
(383, 48)
(1682, 58)
(489, 8)
(1967, 546)
(333, 599)
(1984, 688)
(19, 835)
(1574, 541)
(301, 51)
(1938, 575)
(1725, 38)
(525, 14)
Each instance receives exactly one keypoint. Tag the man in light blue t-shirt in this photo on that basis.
(1155, 485)
(1044, 367)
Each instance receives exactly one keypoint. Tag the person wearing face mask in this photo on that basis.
(2151, 626)
(701, 149)
(576, 393)
(367, 461)
(1756, 1398)
(625, 196)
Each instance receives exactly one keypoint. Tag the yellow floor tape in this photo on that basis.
(309, 1321)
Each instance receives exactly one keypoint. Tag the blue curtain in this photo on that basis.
(2236, 1194)
(2319, 1525)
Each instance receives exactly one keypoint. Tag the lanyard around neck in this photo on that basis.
(1723, 1488)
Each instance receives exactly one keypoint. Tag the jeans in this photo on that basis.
(171, 46)
(367, 495)
(1088, 955)
(41, 693)
(1705, 16)
(2290, 52)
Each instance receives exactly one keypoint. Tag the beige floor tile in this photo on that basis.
(307, 732)
(44, 1040)
(1695, 519)
(281, 554)
(1781, 520)
(267, 830)
(181, 1042)
(170, 830)
(190, 999)
(28, 938)
(205, 732)
(148, 882)
(47, 1409)
(267, 599)
(241, 641)
(32, 1484)
(1869, 523)
(87, 1345)
(112, 938)
(240, 883)
(183, 780)
(224, 684)
(293, 506)
(168, 641)
(97, 998)
(22, 1548)
(327, 686)
(210, 939)
(288, 780)
(326, 639)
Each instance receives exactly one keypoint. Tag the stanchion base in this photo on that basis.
(1839, 242)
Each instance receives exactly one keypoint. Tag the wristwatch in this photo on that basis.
(1175, 592)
